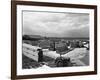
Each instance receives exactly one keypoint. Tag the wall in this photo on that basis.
(5, 32)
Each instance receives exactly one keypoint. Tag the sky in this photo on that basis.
(53, 24)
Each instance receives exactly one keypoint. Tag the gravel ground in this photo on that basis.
(85, 59)
(28, 63)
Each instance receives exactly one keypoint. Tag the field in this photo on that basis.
(61, 46)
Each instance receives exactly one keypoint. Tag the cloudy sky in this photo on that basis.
(56, 24)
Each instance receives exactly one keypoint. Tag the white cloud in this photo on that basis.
(56, 24)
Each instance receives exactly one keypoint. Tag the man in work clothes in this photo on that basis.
(40, 55)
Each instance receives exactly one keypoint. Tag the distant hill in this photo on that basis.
(35, 36)
(38, 37)
(32, 37)
(68, 38)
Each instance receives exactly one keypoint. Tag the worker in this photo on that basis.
(40, 55)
